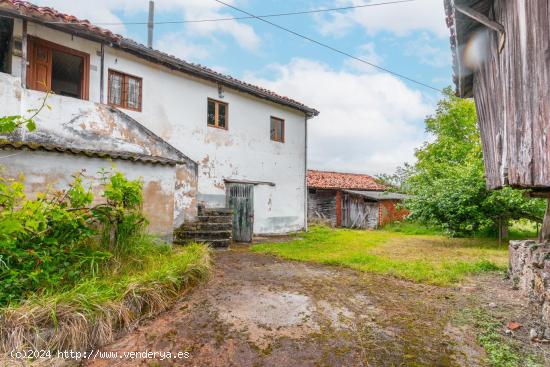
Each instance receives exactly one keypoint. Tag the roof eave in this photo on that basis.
(153, 55)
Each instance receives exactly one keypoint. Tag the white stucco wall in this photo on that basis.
(175, 106)
(50, 171)
(84, 125)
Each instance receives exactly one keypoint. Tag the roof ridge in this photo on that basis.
(343, 173)
(131, 45)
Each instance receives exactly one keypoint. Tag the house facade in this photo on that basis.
(239, 135)
(351, 200)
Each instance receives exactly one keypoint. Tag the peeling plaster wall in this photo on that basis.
(174, 107)
(74, 123)
(48, 171)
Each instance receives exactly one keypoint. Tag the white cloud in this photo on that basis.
(423, 50)
(400, 19)
(187, 41)
(177, 45)
(369, 122)
(366, 52)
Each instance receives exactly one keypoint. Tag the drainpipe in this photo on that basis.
(102, 75)
(305, 177)
(24, 55)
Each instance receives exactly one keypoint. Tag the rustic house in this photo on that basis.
(243, 146)
(351, 200)
(501, 58)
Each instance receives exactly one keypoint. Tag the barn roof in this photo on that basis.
(462, 28)
(85, 29)
(340, 180)
(378, 195)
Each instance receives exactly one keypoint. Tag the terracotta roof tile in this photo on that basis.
(339, 180)
(129, 156)
(49, 15)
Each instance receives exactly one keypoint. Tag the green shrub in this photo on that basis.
(52, 240)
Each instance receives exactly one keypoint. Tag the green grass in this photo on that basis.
(142, 283)
(406, 227)
(501, 351)
(432, 259)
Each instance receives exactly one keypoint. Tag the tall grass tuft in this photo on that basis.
(148, 280)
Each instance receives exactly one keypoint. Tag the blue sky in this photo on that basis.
(370, 121)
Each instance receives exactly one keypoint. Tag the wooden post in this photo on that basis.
(338, 208)
(24, 56)
(545, 229)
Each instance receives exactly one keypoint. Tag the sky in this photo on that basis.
(370, 121)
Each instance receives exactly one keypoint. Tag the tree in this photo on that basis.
(447, 183)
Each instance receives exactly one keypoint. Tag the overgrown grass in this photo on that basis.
(501, 351)
(432, 259)
(412, 228)
(141, 283)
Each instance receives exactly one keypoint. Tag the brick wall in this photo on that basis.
(389, 211)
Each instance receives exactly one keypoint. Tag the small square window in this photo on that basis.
(277, 129)
(217, 114)
(124, 90)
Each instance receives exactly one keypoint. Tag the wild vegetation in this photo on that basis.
(447, 183)
(73, 273)
(425, 257)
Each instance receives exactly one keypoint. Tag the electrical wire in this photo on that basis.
(332, 48)
(258, 16)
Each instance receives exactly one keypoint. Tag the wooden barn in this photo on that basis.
(351, 200)
(501, 57)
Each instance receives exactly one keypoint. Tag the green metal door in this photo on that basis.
(240, 199)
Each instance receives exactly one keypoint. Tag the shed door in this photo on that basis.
(359, 213)
(241, 200)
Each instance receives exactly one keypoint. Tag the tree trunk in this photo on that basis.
(545, 229)
(503, 229)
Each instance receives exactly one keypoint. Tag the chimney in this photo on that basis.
(151, 24)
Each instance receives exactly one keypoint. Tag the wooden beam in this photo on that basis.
(483, 19)
(24, 55)
(229, 180)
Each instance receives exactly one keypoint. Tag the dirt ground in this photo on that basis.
(258, 310)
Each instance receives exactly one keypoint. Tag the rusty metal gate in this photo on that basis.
(240, 198)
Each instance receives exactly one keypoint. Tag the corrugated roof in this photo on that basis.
(340, 180)
(84, 28)
(135, 157)
(378, 195)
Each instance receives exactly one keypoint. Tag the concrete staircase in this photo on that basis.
(213, 226)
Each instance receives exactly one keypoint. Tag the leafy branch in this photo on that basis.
(9, 124)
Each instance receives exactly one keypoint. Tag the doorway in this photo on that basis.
(6, 32)
(58, 69)
(240, 199)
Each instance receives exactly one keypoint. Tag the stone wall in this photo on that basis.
(530, 273)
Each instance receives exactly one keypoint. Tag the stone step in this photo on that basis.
(221, 243)
(215, 218)
(205, 226)
(215, 211)
(191, 235)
